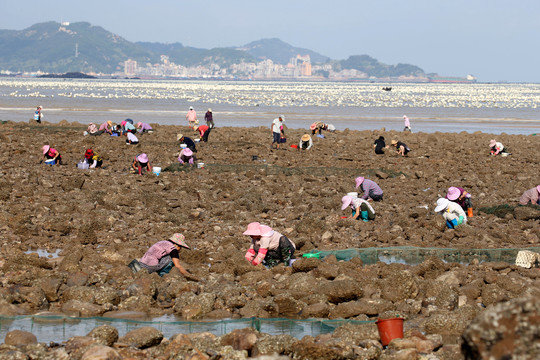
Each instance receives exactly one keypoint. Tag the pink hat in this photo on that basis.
(538, 188)
(359, 180)
(46, 149)
(139, 124)
(266, 230)
(143, 158)
(492, 143)
(453, 193)
(187, 152)
(253, 229)
(178, 239)
(346, 200)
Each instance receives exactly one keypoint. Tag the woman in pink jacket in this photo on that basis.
(268, 246)
(163, 255)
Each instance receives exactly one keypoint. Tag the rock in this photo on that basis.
(306, 264)
(241, 339)
(269, 345)
(50, 287)
(508, 330)
(101, 352)
(143, 337)
(105, 334)
(318, 310)
(20, 338)
(77, 279)
(339, 291)
(80, 308)
(381, 175)
(526, 213)
(327, 236)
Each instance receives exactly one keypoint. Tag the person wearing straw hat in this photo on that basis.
(38, 115)
(203, 130)
(305, 142)
(50, 153)
(277, 131)
(186, 156)
(530, 196)
(361, 209)
(401, 148)
(451, 212)
(164, 255)
(370, 189)
(106, 127)
(187, 141)
(497, 148)
(461, 197)
(139, 163)
(268, 246)
(191, 117)
(144, 128)
(209, 118)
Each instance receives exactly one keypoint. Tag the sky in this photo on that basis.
(493, 40)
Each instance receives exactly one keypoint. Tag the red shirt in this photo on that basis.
(202, 129)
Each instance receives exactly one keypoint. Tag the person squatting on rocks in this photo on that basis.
(144, 128)
(129, 127)
(50, 153)
(93, 130)
(164, 255)
(209, 118)
(186, 156)
(93, 159)
(451, 212)
(268, 246)
(317, 127)
(361, 209)
(277, 131)
(106, 127)
(191, 117)
(204, 131)
(379, 145)
(497, 148)
(305, 142)
(370, 189)
(530, 196)
(407, 123)
(131, 139)
(38, 115)
(139, 163)
(187, 141)
(402, 148)
(461, 197)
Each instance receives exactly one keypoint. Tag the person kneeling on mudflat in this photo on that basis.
(93, 159)
(186, 156)
(361, 209)
(163, 256)
(139, 163)
(305, 142)
(531, 195)
(497, 148)
(451, 212)
(203, 130)
(402, 148)
(268, 246)
(50, 153)
(370, 189)
(131, 139)
(460, 196)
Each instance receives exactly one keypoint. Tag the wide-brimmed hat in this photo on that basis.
(442, 204)
(209, 110)
(40, 107)
(46, 149)
(359, 180)
(282, 117)
(253, 229)
(492, 143)
(179, 136)
(143, 158)
(453, 193)
(179, 240)
(89, 154)
(109, 123)
(404, 116)
(139, 124)
(266, 230)
(191, 108)
(394, 142)
(187, 152)
(346, 201)
(306, 137)
(195, 127)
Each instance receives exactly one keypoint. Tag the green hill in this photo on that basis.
(373, 68)
(280, 52)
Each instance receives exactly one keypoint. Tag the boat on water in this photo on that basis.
(469, 79)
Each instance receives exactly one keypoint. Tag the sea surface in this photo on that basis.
(492, 108)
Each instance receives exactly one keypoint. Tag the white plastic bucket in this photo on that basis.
(83, 165)
(200, 165)
(183, 146)
(353, 194)
(156, 170)
(197, 140)
(50, 162)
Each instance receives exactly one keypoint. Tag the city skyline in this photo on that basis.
(492, 40)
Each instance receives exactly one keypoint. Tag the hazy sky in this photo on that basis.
(495, 40)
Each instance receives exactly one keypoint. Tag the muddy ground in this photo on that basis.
(102, 219)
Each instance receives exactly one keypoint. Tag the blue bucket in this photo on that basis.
(50, 162)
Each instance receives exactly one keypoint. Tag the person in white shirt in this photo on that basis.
(277, 131)
(131, 139)
(451, 212)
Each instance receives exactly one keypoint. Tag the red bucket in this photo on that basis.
(390, 329)
(294, 146)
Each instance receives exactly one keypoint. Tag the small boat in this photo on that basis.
(387, 88)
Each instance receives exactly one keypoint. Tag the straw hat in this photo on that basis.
(453, 193)
(359, 180)
(306, 137)
(346, 201)
(187, 152)
(195, 127)
(442, 204)
(253, 229)
(109, 123)
(143, 158)
(209, 110)
(46, 149)
(179, 137)
(394, 142)
(492, 143)
(178, 239)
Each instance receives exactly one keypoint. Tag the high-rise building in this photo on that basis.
(130, 67)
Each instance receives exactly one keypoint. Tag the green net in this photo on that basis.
(415, 255)
(58, 328)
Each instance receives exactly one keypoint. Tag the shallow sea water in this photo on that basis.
(493, 108)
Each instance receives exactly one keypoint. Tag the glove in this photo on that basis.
(451, 223)
(250, 255)
(460, 220)
(260, 257)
